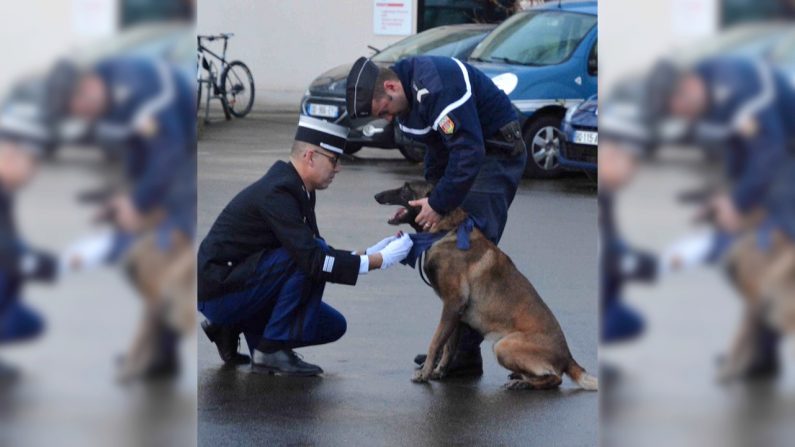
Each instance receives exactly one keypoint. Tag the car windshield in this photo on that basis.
(535, 38)
(437, 42)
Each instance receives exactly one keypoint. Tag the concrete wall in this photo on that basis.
(288, 43)
(634, 34)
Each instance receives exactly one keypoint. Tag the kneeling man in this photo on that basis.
(263, 265)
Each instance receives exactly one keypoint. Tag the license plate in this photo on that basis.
(324, 110)
(581, 137)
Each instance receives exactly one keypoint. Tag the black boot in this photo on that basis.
(284, 362)
(765, 364)
(165, 363)
(227, 341)
(466, 361)
(8, 373)
(464, 364)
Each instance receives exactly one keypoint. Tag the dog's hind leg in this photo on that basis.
(532, 364)
(547, 382)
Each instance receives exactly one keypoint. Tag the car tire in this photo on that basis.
(544, 139)
(412, 151)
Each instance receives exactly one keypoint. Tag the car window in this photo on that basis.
(439, 42)
(535, 38)
(460, 48)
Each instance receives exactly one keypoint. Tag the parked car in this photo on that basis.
(579, 151)
(325, 97)
(545, 60)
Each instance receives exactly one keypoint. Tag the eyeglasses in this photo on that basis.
(334, 160)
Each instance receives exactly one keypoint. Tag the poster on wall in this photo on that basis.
(694, 18)
(94, 18)
(392, 17)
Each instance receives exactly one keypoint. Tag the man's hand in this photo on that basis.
(727, 216)
(427, 218)
(125, 213)
(396, 251)
(381, 244)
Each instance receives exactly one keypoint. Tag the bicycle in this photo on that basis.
(235, 86)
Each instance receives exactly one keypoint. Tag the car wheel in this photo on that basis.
(544, 140)
(414, 152)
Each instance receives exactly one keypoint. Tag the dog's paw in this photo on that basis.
(419, 377)
(516, 385)
(438, 374)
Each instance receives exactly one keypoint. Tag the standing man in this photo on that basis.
(476, 154)
(263, 265)
(144, 109)
(747, 110)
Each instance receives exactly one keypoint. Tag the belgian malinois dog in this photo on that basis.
(765, 279)
(482, 287)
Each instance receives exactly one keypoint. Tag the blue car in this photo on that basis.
(579, 151)
(545, 59)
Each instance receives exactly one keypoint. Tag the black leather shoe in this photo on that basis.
(763, 369)
(227, 341)
(8, 374)
(285, 363)
(464, 364)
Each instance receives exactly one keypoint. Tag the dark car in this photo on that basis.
(325, 98)
(579, 151)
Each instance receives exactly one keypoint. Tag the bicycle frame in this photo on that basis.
(212, 81)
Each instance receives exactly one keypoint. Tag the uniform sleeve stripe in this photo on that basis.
(766, 96)
(328, 264)
(414, 131)
(460, 100)
(162, 100)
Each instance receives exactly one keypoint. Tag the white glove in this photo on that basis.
(381, 244)
(396, 251)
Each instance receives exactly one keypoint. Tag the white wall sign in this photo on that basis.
(392, 17)
(94, 18)
(694, 18)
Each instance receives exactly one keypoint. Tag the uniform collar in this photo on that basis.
(288, 167)
(404, 70)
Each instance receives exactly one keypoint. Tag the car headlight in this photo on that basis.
(571, 111)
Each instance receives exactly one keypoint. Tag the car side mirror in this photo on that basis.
(593, 67)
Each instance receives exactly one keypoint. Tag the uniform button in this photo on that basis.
(229, 263)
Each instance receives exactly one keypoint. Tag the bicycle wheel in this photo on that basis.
(238, 85)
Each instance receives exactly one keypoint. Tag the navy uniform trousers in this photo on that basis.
(17, 321)
(282, 307)
(488, 202)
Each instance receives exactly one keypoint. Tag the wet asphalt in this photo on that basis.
(365, 396)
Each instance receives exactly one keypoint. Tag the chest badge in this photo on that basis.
(446, 125)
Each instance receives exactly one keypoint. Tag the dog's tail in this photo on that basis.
(583, 379)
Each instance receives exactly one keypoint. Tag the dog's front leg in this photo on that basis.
(447, 354)
(447, 325)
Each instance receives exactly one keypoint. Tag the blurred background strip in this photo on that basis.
(97, 142)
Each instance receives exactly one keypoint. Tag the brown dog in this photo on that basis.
(765, 278)
(482, 287)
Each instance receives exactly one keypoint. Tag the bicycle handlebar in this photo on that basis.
(209, 37)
